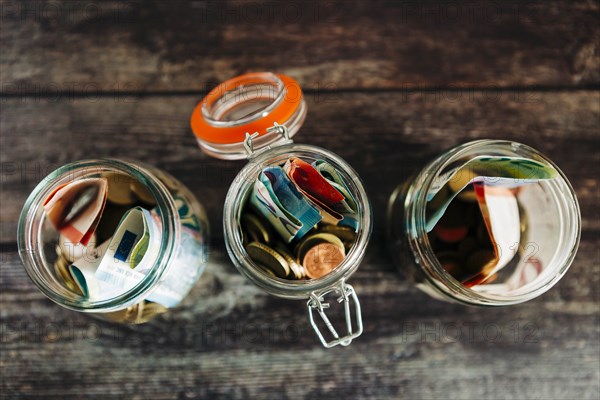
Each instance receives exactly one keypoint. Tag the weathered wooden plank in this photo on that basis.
(384, 136)
(93, 46)
(230, 340)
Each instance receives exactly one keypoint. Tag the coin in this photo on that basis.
(310, 241)
(321, 259)
(61, 268)
(119, 190)
(171, 183)
(128, 315)
(451, 228)
(255, 229)
(296, 270)
(450, 235)
(141, 192)
(268, 258)
(150, 311)
(345, 233)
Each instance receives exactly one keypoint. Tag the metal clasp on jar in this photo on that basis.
(317, 302)
(276, 128)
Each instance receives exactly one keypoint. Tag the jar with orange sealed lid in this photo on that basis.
(296, 218)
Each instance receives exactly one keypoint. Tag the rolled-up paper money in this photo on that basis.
(500, 212)
(291, 199)
(75, 208)
(310, 181)
(315, 188)
(492, 171)
(121, 262)
(266, 203)
(348, 207)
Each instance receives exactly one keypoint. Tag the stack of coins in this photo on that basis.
(312, 256)
(461, 242)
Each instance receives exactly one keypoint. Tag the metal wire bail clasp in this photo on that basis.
(346, 294)
(282, 130)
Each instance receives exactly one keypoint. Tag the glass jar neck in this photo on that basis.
(31, 244)
(415, 206)
(237, 195)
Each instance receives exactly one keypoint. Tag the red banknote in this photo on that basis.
(75, 208)
(309, 180)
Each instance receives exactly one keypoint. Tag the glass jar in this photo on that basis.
(550, 230)
(180, 254)
(273, 108)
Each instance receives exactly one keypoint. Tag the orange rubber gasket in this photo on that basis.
(236, 134)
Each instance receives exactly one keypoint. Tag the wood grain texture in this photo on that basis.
(144, 46)
(389, 85)
(385, 136)
(230, 340)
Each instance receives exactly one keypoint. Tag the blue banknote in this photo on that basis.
(292, 200)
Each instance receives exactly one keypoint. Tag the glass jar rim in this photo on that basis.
(27, 238)
(238, 84)
(444, 282)
(281, 287)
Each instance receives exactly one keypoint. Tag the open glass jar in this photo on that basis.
(254, 116)
(177, 248)
(545, 213)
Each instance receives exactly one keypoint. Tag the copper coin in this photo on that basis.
(309, 242)
(322, 259)
(255, 229)
(345, 233)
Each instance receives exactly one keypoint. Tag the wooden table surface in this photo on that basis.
(389, 85)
